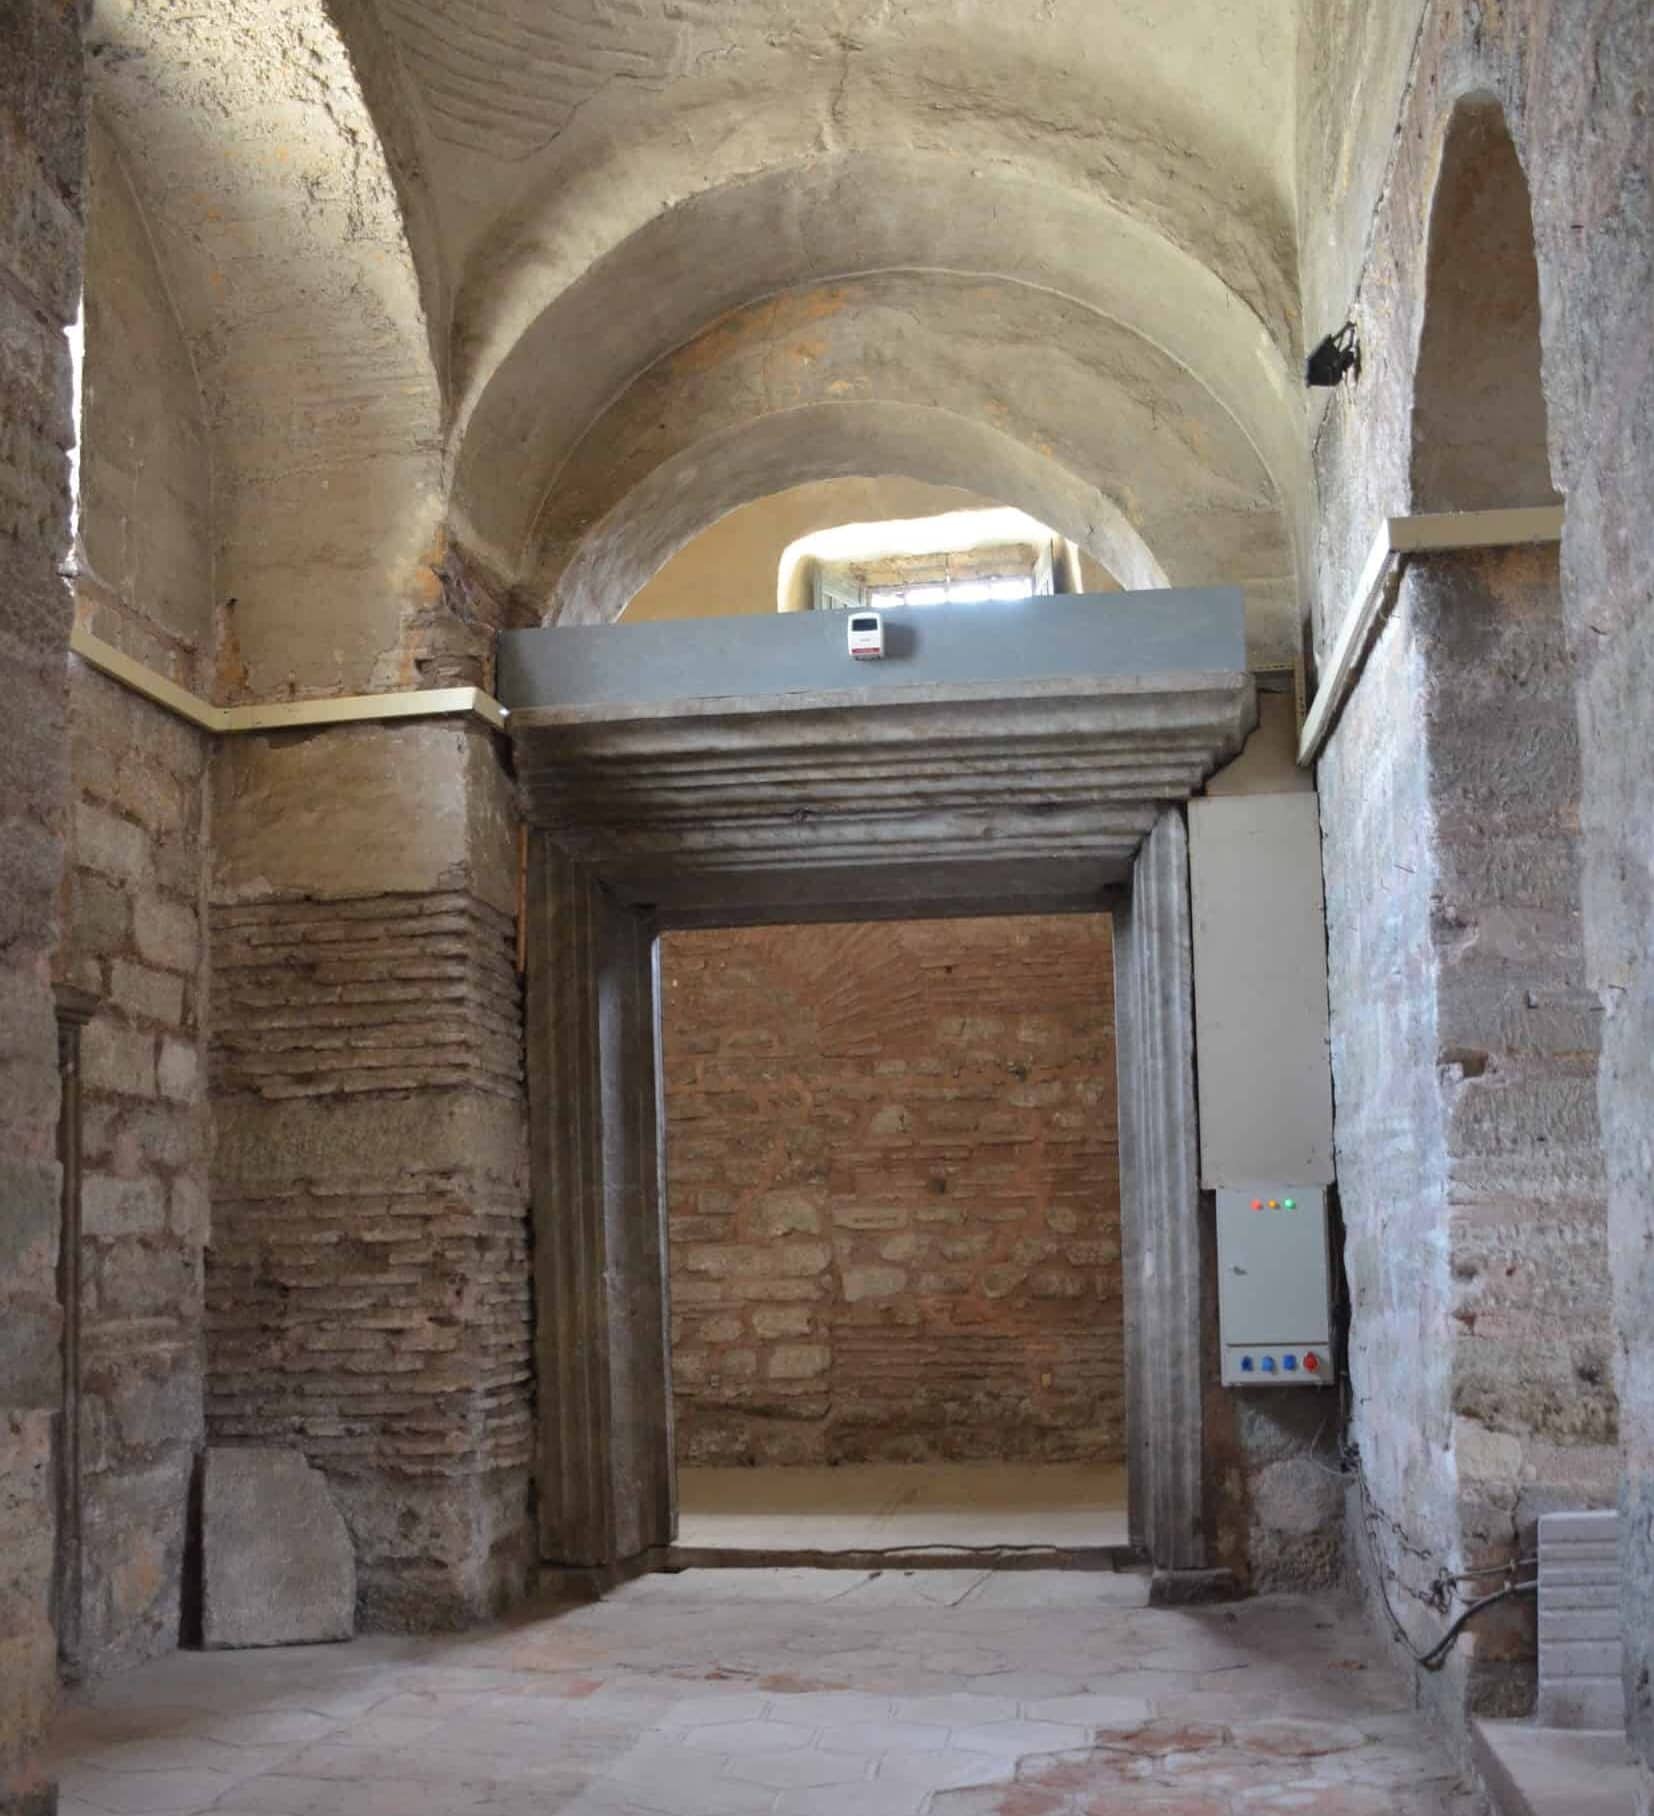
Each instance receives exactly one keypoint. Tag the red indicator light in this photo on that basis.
(1257, 1204)
(1312, 1363)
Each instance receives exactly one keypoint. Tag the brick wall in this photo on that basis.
(894, 1192)
(367, 1284)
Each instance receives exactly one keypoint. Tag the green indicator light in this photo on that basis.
(1290, 1203)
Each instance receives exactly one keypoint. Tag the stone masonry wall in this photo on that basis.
(42, 148)
(135, 941)
(893, 1173)
(1463, 1051)
(368, 1275)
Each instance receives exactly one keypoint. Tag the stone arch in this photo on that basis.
(264, 178)
(1479, 423)
(1078, 392)
(660, 279)
(831, 440)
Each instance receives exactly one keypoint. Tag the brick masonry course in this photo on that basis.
(892, 1168)
(368, 1281)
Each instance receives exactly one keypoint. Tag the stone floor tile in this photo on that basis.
(734, 1693)
(1016, 1738)
(703, 1711)
(1285, 1738)
(738, 1738)
(885, 1798)
(146, 1793)
(938, 1770)
(699, 1788)
(782, 1771)
(1165, 1735)
(873, 1738)
(1157, 1801)
(832, 1709)
(1091, 1711)
(1315, 1800)
(1024, 1686)
(999, 1800)
(961, 1710)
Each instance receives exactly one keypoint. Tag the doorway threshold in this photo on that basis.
(941, 1556)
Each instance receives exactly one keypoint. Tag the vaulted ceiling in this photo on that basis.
(561, 282)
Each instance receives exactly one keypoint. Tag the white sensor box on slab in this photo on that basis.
(867, 636)
(1275, 1287)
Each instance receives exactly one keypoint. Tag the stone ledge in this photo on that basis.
(1533, 1771)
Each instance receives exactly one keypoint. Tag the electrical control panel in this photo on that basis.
(1275, 1286)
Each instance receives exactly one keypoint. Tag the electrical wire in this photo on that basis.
(1436, 1656)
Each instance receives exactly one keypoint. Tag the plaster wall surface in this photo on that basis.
(894, 1192)
(1078, 386)
(383, 235)
(734, 566)
(1548, 68)
(145, 574)
(42, 151)
(279, 229)
(368, 1278)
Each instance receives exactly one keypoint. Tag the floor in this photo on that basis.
(903, 1507)
(787, 1693)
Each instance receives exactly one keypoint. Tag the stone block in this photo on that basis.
(799, 1361)
(116, 1059)
(99, 916)
(177, 1070)
(168, 933)
(1580, 1645)
(789, 1214)
(1297, 1495)
(112, 1206)
(872, 1283)
(156, 995)
(278, 1566)
(29, 1361)
(106, 843)
(770, 1322)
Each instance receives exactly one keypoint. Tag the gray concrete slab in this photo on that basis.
(1106, 634)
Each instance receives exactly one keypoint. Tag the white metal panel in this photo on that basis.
(1274, 1286)
(1260, 963)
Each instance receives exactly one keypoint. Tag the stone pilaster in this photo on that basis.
(599, 1250)
(368, 1276)
(1160, 1202)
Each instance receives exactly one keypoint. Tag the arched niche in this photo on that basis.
(1479, 402)
(1523, 1381)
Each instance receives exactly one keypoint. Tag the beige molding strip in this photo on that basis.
(1397, 538)
(283, 715)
